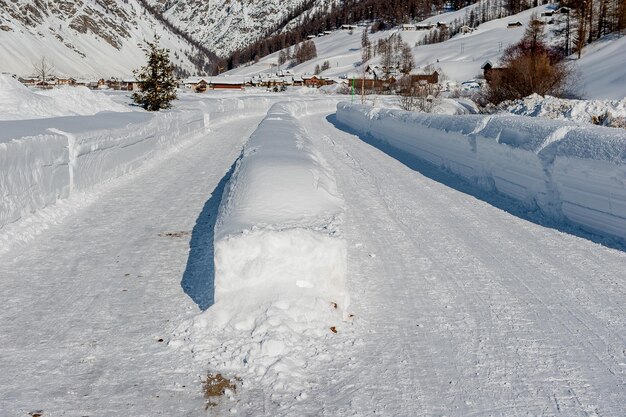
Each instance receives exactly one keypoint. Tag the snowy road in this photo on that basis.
(464, 309)
(85, 304)
(461, 308)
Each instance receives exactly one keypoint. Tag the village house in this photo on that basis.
(65, 81)
(426, 26)
(424, 78)
(130, 84)
(490, 71)
(465, 29)
(29, 81)
(371, 86)
(408, 26)
(226, 83)
(196, 84)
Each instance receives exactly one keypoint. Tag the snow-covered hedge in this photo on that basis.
(277, 228)
(564, 169)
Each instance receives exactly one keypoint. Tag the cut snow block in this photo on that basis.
(33, 174)
(278, 230)
(589, 172)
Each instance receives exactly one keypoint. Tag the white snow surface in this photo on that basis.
(583, 111)
(459, 305)
(18, 102)
(563, 169)
(601, 68)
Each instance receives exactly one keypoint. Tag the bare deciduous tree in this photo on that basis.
(44, 70)
(528, 67)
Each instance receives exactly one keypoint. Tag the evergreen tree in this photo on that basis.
(157, 80)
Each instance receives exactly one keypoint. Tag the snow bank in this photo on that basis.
(280, 259)
(610, 113)
(46, 160)
(17, 102)
(566, 170)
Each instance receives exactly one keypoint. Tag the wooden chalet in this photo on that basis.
(490, 72)
(130, 84)
(226, 83)
(408, 27)
(418, 79)
(511, 25)
(372, 86)
(65, 81)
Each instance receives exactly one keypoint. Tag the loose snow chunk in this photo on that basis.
(278, 223)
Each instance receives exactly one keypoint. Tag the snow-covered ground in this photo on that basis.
(462, 301)
(610, 113)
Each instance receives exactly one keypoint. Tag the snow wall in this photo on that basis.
(43, 161)
(568, 171)
(278, 225)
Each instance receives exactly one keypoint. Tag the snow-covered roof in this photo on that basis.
(231, 80)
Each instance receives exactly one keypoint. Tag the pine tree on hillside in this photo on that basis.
(157, 80)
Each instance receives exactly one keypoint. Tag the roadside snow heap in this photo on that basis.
(566, 170)
(280, 260)
(18, 102)
(47, 160)
(611, 113)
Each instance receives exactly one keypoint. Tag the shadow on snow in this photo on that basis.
(199, 277)
(493, 198)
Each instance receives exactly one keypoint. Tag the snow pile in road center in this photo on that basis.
(611, 113)
(17, 102)
(280, 260)
(566, 170)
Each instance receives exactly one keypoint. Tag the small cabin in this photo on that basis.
(514, 25)
(490, 71)
(420, 79)
(408, 27)
(130, 84)
(226, 83)
(465, 29)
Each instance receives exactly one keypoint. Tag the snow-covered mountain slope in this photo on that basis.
(601, 68)
(91, 38)
(461, 57)
(225, 25)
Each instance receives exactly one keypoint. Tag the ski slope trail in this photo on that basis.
(461, 308)
(87, 307)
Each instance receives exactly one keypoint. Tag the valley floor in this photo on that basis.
(461, 308)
